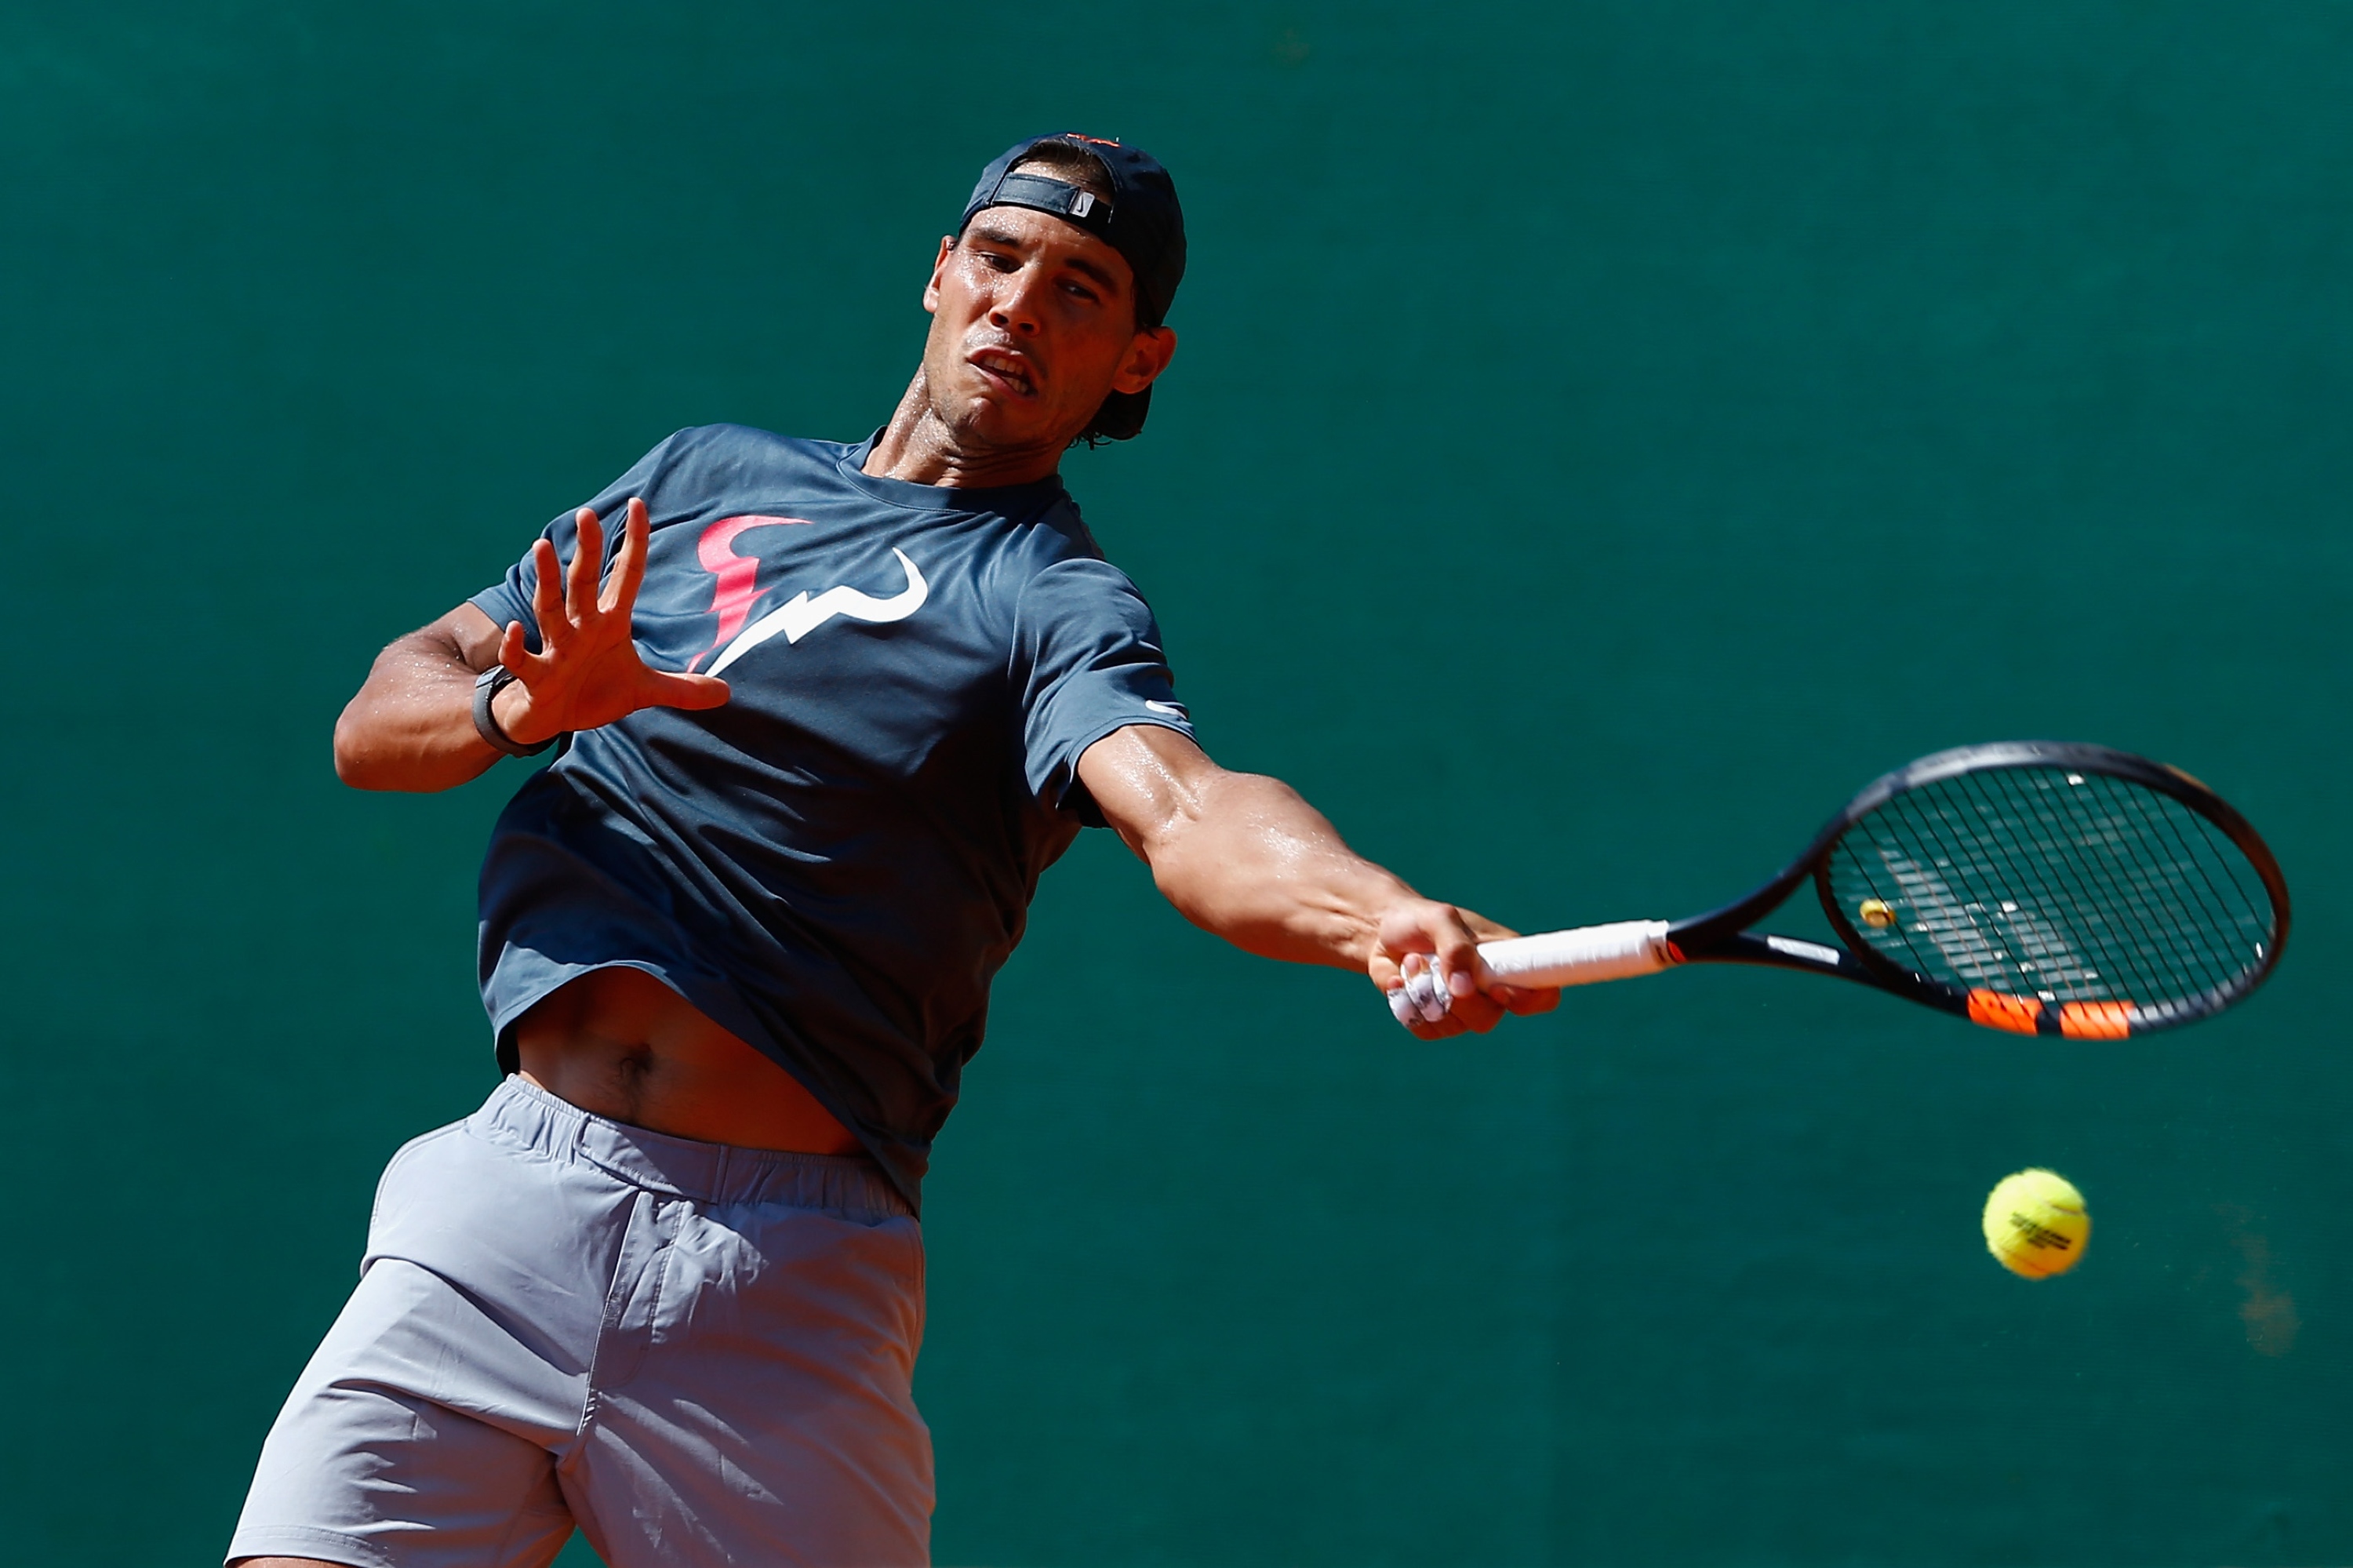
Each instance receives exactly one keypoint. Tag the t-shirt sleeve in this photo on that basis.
(1088, 651)
(510, 597)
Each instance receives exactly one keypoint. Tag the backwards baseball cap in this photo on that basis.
(1141, 221)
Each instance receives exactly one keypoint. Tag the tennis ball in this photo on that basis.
(2036, 1224)
(1877, 912)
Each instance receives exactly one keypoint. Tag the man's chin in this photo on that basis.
(986, 424)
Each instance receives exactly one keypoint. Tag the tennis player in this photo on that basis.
(828, 712)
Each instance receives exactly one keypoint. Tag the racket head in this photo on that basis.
(2053, 888)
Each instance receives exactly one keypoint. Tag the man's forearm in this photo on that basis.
(411, 725)
(1248, 859)
(1244, 857)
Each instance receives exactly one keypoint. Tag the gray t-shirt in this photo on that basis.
(836, 864)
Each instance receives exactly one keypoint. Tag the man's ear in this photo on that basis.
(1147, 357)
(939, 265)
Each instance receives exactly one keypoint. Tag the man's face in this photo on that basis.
(1033, 323)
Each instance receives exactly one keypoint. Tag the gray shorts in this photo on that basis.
(697, 1354)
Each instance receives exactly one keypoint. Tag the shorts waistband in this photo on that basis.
(850, 1184)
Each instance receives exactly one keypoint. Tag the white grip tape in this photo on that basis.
(1581, 956)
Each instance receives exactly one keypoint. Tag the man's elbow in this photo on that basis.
(367, 757)
(356, 759)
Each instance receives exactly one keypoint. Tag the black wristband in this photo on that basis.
(489, 685)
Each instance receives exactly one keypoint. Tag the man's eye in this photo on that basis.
(1082, 290)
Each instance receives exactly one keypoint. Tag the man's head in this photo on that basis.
(1049, 303)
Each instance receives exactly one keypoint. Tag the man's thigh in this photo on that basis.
(435, 1490)
(368, 1466)
(715, 1371)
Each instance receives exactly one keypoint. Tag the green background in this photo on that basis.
(1604, 436)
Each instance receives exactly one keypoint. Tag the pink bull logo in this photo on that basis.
(739, 575)
(738, 588)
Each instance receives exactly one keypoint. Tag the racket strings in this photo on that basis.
(2118, 856)
(2058, 886)
(2133, 804)
(2106, 855)
(1943, 885)
(2247, 890)
(2147, 949)
(1961, 904)
(2182, 950)
(1954, 907)
(2076, 971)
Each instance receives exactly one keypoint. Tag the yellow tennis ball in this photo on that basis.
(2036, 1224)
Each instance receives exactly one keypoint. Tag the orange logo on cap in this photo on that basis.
(1098, 141)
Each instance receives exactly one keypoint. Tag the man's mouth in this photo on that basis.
(1010, 370)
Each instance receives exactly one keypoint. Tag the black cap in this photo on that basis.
(1141, 221)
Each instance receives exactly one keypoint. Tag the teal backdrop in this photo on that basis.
(1604, 434)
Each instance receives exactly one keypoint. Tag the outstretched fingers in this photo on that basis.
(548, 594)
(620, 595)
(514, 648)
(588, 671)
(580, 581)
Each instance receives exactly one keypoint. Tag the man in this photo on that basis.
(831, 710)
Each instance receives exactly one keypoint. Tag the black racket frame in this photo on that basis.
(1722, 936)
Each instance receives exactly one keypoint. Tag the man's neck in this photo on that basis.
(916, 448)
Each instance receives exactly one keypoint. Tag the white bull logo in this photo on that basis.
(801, 614)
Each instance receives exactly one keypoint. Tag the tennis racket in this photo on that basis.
(2034, 887)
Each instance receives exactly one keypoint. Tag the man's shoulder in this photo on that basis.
(1063, 535)
(1046, 547)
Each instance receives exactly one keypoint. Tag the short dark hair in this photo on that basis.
(1120, 416)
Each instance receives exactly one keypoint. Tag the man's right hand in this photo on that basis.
(587, 672)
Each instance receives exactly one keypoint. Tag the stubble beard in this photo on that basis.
(961, 421)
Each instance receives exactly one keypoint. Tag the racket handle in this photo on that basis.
(1579, 956)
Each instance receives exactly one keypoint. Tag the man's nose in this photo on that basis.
(1014, 308)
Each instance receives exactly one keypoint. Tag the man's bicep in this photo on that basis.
(470, 634)
(1146, 780)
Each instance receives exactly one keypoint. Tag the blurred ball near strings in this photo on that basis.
(2036, 1224)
